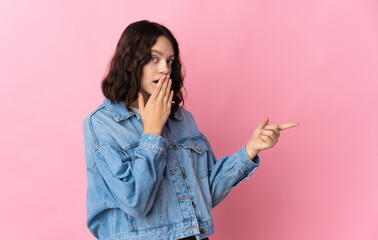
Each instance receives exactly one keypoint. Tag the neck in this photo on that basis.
(135, 104)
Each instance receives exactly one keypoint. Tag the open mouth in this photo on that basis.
(156, 81)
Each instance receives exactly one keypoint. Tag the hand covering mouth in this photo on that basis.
(156, 81)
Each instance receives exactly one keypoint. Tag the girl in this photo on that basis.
(151, 173)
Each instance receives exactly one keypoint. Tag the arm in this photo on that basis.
(133, 178)
(131, 181)
(228, 172)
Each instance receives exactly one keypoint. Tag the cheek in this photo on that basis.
(148, 70)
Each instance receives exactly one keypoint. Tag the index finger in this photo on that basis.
(158, 87)
(285, 126)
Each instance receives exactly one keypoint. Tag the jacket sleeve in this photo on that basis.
(132, 181)
(228, 172)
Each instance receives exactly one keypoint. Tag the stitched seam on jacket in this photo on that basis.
(91, 125)
(225, 175)
(220, 197)
(240, 164)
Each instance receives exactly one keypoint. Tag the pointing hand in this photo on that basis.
(266, 136)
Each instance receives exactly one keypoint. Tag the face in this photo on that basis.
(162, 56)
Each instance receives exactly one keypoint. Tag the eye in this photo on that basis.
(153, 59)
(170, 62)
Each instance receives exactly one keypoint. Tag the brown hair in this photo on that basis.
(132, 53)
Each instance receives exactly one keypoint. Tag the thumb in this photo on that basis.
(140, 101)
(263, 123)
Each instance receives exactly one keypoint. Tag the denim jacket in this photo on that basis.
(145, 186)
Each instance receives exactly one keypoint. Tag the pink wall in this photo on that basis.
(309, 61)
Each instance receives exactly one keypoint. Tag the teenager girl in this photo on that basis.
(151, 172)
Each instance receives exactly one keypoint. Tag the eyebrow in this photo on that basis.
(153, 50)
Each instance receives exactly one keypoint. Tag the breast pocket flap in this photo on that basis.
(198, 145)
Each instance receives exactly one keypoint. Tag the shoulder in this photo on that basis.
(185, 114)
(96, 113)
(92, 121)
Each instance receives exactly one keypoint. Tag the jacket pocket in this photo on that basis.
(197, 150)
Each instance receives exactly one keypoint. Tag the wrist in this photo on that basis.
(152, 132)
(251, 153)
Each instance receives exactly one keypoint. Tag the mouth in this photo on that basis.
(156, 81)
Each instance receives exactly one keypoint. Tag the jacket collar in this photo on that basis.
(120, 111)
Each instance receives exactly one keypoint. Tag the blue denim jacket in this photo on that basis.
(145, 186)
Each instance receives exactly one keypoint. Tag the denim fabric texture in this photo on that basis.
(145, 186)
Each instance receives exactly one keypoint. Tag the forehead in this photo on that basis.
(163, 46)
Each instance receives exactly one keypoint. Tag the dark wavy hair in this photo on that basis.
(133, 51)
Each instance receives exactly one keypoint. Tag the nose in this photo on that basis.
(164, 68)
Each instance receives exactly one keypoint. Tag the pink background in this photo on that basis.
(315, 62)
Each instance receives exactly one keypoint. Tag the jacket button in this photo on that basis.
(183, 175)
(203, 231)
(174, 147)
(192, 202)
